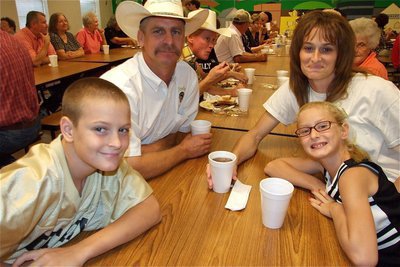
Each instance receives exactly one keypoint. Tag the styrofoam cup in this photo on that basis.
(281, 80)
(287, 49)
(53, 60)
(275, 198)
(282, 73)
(106, 49)
(250, 74)
(200, 127)
(221, 167)
(244, 98)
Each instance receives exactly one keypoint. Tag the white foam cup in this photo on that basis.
(250, 74)
(53, 60)
(106, 49)
(244, 98)
(221, 171)
(282, 73)
(287, 49)
(281, 80)
(275, 198)
(200, 127)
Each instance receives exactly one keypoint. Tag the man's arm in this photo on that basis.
(248, 57)
(41, 57)
(247, 145)
(156, 162)
(134, 222)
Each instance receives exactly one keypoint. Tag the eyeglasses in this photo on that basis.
(319, 127)
(361, 45)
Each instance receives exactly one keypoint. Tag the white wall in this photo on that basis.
(71, 9)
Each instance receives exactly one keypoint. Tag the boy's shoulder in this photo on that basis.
(41, 162)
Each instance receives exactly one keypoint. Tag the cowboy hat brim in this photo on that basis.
(129, 15)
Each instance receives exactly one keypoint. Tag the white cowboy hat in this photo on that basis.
(211, 23)
(129, 14)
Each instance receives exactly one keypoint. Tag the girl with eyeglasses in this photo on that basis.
(356, 194)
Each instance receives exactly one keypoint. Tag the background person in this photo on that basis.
(8, 25)
(356, 190)
(367, 39)
(64, 42)
(115, 36)
(78, 182)
(321, 66)
(192, 5)
(382, 20)
(19, 116)
(201, 43)
(91, 37)
(163, 92)
(35, 38)
(231, 49)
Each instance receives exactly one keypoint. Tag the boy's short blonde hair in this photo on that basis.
(84, 89)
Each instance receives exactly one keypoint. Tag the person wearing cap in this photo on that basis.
(200, 45)
(231, 49)
(163, 92)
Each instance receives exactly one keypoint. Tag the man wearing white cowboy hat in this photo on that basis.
(163, 93)
(232, 49)
(200, 45)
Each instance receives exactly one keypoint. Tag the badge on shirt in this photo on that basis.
(181, 91)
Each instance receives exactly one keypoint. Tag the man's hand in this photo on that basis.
(218, 73)
(51, 257)
(196, 145)
(46, 38)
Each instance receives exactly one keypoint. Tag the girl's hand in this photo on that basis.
(322, 202)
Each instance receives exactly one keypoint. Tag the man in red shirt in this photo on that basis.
(19, 120)
(36, 39)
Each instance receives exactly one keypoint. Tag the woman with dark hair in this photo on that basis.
(381, 20)
(115, 36)
(64, 42)
(8, 25)
(321, 69)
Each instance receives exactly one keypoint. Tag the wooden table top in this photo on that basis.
(196, 229)
(116, 56)
(261, 92)
(45, 74)
(269, 67)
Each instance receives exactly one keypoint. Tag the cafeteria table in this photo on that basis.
(196, 229)
(269, 67)
(262, 90)
(45, 75)
(115, 57)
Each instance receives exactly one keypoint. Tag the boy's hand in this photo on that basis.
(209, 179)
(50, 257)
(322, 202)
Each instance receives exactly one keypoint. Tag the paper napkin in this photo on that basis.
(239, 195)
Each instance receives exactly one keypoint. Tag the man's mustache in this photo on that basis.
(168, 49)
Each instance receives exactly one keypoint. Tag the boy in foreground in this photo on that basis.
(78, 182)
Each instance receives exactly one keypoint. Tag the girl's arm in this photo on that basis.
(298, 171)
(354, 223)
